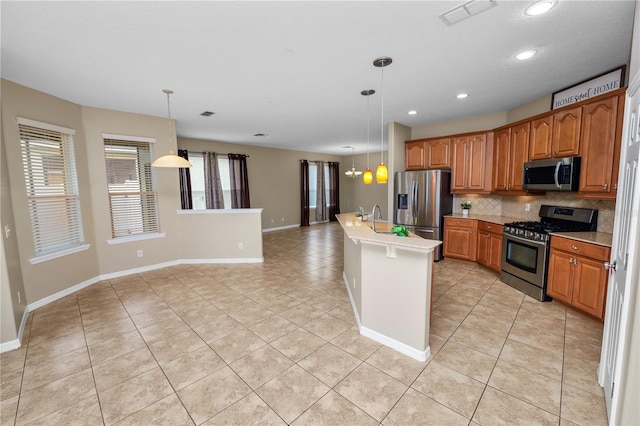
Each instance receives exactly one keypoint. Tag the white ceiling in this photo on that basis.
(295, 70)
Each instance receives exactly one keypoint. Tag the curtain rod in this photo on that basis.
(218, 153)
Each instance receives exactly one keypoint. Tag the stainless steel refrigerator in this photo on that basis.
(421, 200)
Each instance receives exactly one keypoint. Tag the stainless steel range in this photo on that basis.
(525, 246)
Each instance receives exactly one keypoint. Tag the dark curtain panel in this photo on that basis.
(213, 197)
(239, 181)
(304, 193)
(334, 190)
(186, 202)
(321, 193)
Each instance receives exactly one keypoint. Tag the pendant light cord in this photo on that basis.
(382, 115)
(368, 120)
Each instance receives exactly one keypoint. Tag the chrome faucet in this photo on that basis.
(373, 214)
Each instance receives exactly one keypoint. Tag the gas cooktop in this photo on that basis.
(555, 219)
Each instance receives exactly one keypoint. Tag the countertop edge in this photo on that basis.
(598, 238)
(355, 229)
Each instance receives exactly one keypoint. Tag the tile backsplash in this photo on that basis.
(513, 206)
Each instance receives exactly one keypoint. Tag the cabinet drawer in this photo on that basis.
(459, 222)
(490, 227)
(593, 251)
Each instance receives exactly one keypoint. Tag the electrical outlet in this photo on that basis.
(271, 220)
(140, 254)
(19, 298)
(240, 246)
(7, 230)
(282, 219)
(527, 207)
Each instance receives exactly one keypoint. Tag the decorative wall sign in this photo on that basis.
(607, 82)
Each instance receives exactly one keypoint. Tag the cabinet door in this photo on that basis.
(540, 138)
(560, 278)
(483, 254)
(589, 285)
(459, 243)
(566, 133)
(495, 250)
(476, 162)
(501, 141)
(459, 163)
(599, 121)
(439, 153)
(519, 154)
(414, 155)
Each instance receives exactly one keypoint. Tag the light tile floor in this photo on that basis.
(276, 343)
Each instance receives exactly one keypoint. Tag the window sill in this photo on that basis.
(62, 253)
(140, 237)
(219, 211)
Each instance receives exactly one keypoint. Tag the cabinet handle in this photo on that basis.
(489, 227)
(615, 187)
(571, 260)
(471, 232)
(575, 261)
(575, 247)
(605, 186)
(548, 154)
(555, 154)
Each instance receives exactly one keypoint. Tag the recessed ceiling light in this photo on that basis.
(539, 7)
(526, 54)
(413, 112)
(462, 95)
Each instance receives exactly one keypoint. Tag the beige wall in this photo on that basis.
(463, 125)
(117, 257)
(13, 304)
(274, 177)
(220, 234)
(528, 110)
(44, 279)
(356, 193)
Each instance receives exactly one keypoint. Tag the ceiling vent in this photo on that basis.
(466, 10)
(207, 114)
(261, 134)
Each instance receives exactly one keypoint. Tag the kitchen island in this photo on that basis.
(389, 281)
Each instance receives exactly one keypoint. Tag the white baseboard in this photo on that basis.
(403, 348)
(15, 344)
(229, 260)
(280, 228)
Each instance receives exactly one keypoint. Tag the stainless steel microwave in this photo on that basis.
(558, 174)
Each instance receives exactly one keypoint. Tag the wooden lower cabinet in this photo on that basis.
(577, 275)
(489, 252)
(460, 238)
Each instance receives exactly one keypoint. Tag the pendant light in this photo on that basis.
(171, 159)
(353, 173)
(367, 177)
(382, 174)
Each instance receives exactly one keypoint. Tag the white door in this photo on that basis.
(622, 252)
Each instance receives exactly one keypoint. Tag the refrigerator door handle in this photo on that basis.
(414, 203)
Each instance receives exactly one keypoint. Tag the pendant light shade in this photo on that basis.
(171, 160)
(382, 174)
(367, 177)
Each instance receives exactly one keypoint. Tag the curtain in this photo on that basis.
(212, 186)
(304, 193)
(186, 202)
(321, 193)
(334, 191)
(239, 181)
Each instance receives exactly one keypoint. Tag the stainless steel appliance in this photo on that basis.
(558, 174)
(421, 200)
(525, 246)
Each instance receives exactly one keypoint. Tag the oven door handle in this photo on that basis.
(542, 244)
(557, 173)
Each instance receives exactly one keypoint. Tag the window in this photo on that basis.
(132, 196)
(52, 186)
(313, 178)
(197, 180)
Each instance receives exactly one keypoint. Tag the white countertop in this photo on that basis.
(497, 219)
(359, 230)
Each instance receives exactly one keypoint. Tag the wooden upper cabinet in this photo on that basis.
(566, 133)
(600, 146)
(540, 138)
(427, 154)
(556, 135)
(501, 142)
(470, 164)
(414, 155)
(438, 153)
(511, 151)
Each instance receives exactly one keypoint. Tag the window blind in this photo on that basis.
(132, 196)
(51, 181)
